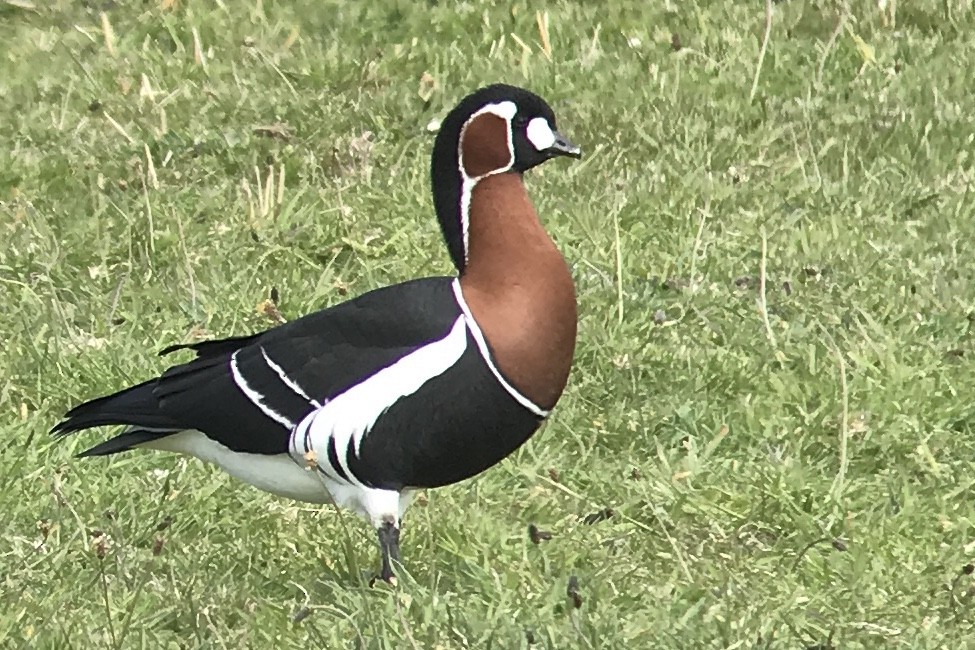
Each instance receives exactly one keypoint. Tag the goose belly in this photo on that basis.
(274, 473)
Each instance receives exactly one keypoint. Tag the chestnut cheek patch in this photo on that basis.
(484, 145)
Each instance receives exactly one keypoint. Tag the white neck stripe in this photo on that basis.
(486, 354)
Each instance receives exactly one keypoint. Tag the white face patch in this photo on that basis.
(540, 134)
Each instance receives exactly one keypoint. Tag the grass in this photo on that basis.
(773, 260)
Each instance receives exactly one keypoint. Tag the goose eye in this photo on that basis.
(520, 121)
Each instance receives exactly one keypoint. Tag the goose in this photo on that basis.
(410, 386)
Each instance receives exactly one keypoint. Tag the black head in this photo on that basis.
(493, 130)
(524, 124)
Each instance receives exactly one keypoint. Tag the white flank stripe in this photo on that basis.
(255, 396)
(287, 380)
(350, 415)
(486, 354)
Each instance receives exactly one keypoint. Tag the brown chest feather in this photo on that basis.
(519, 290)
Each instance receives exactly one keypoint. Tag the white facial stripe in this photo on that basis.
(506, 110)
(540, 133)
(466, 190)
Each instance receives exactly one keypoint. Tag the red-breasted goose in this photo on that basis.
(415, 385)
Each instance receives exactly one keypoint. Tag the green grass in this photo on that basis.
(774, 375)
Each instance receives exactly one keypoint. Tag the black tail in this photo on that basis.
(126, 441)
(213, 348)
(136, 406)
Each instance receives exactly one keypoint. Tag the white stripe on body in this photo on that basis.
(254, 396)
(348, 418)
(290, 383)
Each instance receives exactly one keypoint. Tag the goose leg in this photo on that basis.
(389, 547)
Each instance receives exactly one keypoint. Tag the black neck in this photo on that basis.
(447, 183)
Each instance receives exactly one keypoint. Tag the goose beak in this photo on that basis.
(563, 147)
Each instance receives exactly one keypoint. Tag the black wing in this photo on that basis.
(248, 392)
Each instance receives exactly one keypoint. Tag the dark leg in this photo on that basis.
(389, 547)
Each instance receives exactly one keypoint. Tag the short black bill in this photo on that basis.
(563, 147)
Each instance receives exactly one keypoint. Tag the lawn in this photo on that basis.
(771, 235)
